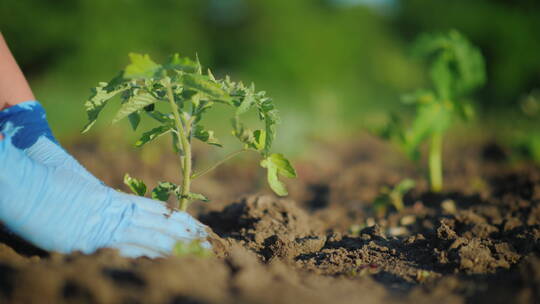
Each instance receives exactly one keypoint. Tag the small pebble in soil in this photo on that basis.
(398, 231)
(449, 206)
(407, 220)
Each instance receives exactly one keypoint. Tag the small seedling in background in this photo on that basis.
(392, 196)
(526, 140)
(193, 248)
(456, 70)
(528, 145)
(187, 93)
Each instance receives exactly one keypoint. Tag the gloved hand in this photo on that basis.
(49, 199)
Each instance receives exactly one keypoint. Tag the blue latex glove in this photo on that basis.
(49, 199)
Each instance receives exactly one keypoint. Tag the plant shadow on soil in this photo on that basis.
(476, 243)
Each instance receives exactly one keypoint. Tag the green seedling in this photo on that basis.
(456, 70)
(392, 196)
(193, 248)
(176, 95)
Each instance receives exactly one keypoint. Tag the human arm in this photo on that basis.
(13, 85)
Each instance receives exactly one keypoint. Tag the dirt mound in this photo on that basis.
(268, 226)
(105, 277)
(477, 243)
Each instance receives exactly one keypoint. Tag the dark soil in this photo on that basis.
(479, 242)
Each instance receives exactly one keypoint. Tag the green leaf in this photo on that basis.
(96, 103)
(458, 66)
(391, 130)
(134, 104)
(193, 248)
(197, 196)
(134, 120)
(161, 117)
(184, 64)
(272, 176)
(418, 97)
(430, 118)
(404, 186)
(398, 192)
(247, 102)
(118, 82)
(137, 186)
(141, 66)
(469, 61)
(465, 110)
(152, 134)
(163, 190)
(442, 77)
(277, 164)
(270, 121)
(177, 148)
(260, 139)
(203, 84)
(381, 203)
(243, 134)
(392, 196)
(284, 166)
(205, 136)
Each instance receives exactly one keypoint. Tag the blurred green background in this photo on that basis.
(332, 66)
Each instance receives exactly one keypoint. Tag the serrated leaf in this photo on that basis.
(184, 64)
(197, 196)
(469, 61)
(203, 84)
(118, 82)
(199, 66)
(260, 139)
(141, 66)
(210, 75)
(206, 136)
(134, 120)
(161, 117)
(134, 104)
(96, 103)
(137, 186)
(270, 121)
(277, 164)
(283, 164)
(247, 102)
(163, 190)
(152, 134)
(458, 66)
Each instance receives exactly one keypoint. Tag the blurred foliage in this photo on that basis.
(331, 61)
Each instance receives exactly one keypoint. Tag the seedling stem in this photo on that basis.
(435, 162)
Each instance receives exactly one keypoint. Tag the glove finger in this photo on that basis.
(131, 250)
(51, 154)
(177, 226)
(158, 239)
(179, 223)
